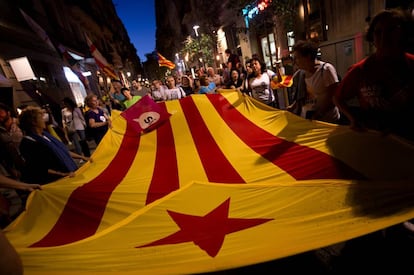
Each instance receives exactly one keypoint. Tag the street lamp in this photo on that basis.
(196, 27)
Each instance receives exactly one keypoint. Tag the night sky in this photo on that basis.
(139, 19)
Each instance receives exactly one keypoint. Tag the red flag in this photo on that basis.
(162, 61)
(100, 60)
(146, 115)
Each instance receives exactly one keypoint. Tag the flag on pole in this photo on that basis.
(145, 115)
(100, 59)
(69, 61)
(38, 30)
(164, 62)
(73, 64)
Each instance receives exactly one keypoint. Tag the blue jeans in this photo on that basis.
(80, 143)
(75, 138)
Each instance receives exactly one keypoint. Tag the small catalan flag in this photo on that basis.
(162, 61)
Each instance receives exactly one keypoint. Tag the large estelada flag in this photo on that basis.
(225, 181)
(100, 60)
(164, 62)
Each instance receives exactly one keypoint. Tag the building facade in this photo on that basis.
(270, 28)
(338, 26)
(48, 77)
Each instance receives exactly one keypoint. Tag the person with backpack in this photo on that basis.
(321, 81)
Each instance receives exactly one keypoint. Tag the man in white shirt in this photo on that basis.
(172, 92)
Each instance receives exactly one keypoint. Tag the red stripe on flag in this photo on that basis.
(301, 162)
(86, 205)
(162, 61)
(165, 176)
(288, 81)
(100, 59)
(215, 163)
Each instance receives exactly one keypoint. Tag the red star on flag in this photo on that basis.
(206, 231)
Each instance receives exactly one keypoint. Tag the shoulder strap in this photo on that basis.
(182, 92)
(271, 95)
(322, 67)
(29, 138)
(270, 76)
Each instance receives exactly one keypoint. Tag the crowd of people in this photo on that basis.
(376, 93)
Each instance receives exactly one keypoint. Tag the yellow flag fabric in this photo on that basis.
(285, 82)
(226, 181)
